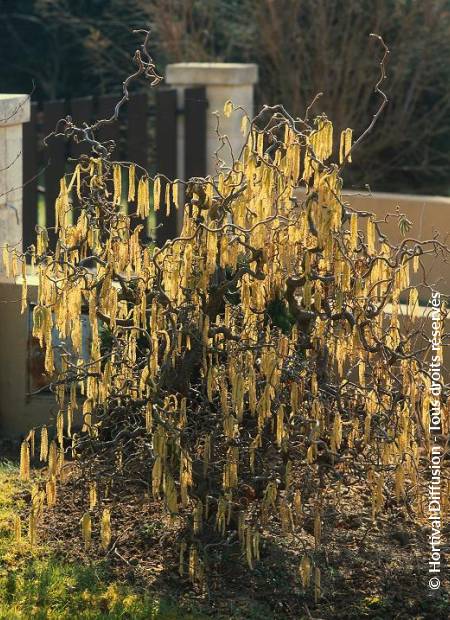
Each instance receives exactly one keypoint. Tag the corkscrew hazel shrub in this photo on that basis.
(256, 365)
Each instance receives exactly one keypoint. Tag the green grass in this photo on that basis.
(35, 583)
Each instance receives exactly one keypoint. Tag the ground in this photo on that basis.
(376, 571)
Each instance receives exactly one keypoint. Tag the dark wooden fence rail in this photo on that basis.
(145, 134)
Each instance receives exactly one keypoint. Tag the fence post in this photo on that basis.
(55, 166)
(166, 156)
(223, 81)
(14, 112)
(30, 173)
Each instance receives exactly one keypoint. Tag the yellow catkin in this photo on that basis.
(370, 236)
(25, 461)
(24, 288)
(117, 180)
(60, 428)
(77, 175)
(105, 528)
(353, 242)
(183, 547)
(298, 512)
(345, 145)
(86, 530)
(131, 183)
(170, 494)
(167, 198)
(44, 444)
(62, 206)
(92, 495)
(399, 482)
(143, 201)
(305, 571)
(193, 563)
(157, 193)
(52, 458)
(14, 265)
(317, 587)
(6, 262)
(50, 491)
(228, 108)
(176, 193)
(244, 125)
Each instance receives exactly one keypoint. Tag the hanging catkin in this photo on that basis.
(167, 198)
(52, 458)
(44, 444)
(60, 427)
(183, 547)
(244, 125)
(24, 288)
(353, 242)
(86, 529)
(117, 180)
(317, 587)
(25, 461)
(345, 146)
(305, 571)
(157, 193)
(370, 236)
(5, 257)
(143, 201)
(50, 491)
(131, 182)
(92, 495)
(105, 528)
(228, 108)
(176, 193)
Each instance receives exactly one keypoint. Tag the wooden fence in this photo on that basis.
(145, 134)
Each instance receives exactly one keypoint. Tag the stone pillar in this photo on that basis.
(14, 111)
(223, 82)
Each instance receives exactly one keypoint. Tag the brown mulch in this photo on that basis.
(368, 570)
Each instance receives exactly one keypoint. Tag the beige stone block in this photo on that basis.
(430, 218)
(14, 111)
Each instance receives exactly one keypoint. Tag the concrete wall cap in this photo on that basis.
(207, 73)
(416, 199)
(14, 109)
(413, 198)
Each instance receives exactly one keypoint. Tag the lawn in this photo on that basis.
(36, 583)
(382, 581)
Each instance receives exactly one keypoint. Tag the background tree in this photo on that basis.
(302, 48)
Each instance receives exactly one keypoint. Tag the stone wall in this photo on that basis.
(14, 111)
(430, 215)
(18, 410)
